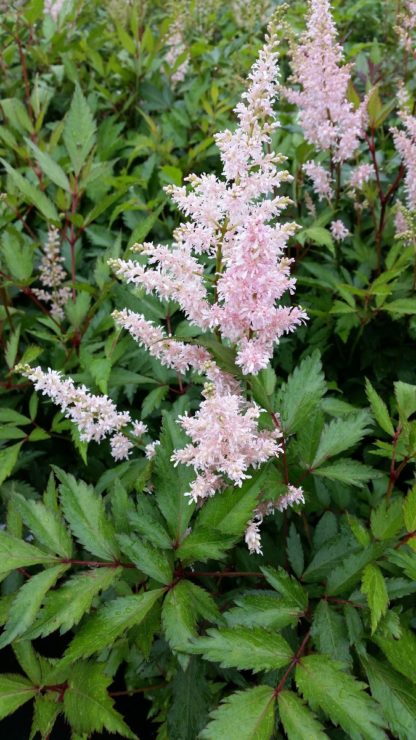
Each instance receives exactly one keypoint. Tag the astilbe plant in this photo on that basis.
(227, 269)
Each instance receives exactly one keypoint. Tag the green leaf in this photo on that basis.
(374, 587)
(298, 721)
(49, 167)
(387, 519)
(172, 483)
(79, 131)
(395, 695)
(288, 587)
(31, 193)
(401, 307)
(232, 510)
(109, 622)
(182, 607)
(348, 471)
(191, 698)
(341, 434)
(345, 576)
(154, 400)
(295, 550)
(333, 552)
(301, 394)
(27, 603)
(245, 648)
(204, 544)
(406, 398)
(84, 510)
(12, 346)
(10, 416)
(15, 553)
(409, 510)
(262, 610)
(155, 563)
(245, 715)
(319, 235)
(45, 713)
(401, 653)
(87, 705)
(46, 526)
(65, 606)
(77, 310)
(148, 522)
(8, 459)
(14, 691)
(340, 696)
(329, 632)
(379, 409)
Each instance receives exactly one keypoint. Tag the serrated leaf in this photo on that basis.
(288, 587)
(329, 632)
(340, 435)
(8, 459)
(387, 519)
(374, 587)
(329, 556)
(85, 513)
(15, 690)
(301, 394)
(49, 167)
(182, 607)
(191, 698)
(344, 577)
(155, 563)
(405, 560)
(245, 648)
(350, 472)
(379, 409)
(405, 396)
(204, 544)
(79, 130)
(15, 553)
(409, 510)
(148, 522)
(298, 721)
(232, 510)
(154, 400)
(109, 622)
(27, 603)
(340, 696)
(31, 193)
(45, 525)
(45, 712)
(295, 550)
(262, 610)
(67, 605)
(245, 715)
(87, 705)
(395, 695)
(401, 653)
(172, 483)
(10, 416)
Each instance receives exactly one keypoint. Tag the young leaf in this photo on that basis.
(301, 394)
(395, 695)
(401, 653)
(341, 434)
(14, 691)
(46, 526)
(387, 519)
(374, 587)
(329, 632)
(379, 409)
(340, 696)
(27, 603)
(245, 648)
(15, 553)
(298, 721)
(65, 606)
(406, 399)
(85, 513)
(155, 563)
(245, 715)
(109, 622)
(79, 131)
(87, 705)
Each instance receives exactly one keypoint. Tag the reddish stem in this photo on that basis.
(295, 661)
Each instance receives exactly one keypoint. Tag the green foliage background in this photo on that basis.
(316, 638)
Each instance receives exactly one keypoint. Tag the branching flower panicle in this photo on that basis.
(52, 275)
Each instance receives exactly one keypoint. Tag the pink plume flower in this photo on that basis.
(339, 231)
(327, 118)
(405, 143)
